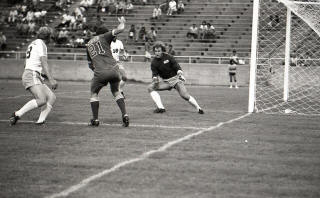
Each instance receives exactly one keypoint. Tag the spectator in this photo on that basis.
(65, 21)
(121, 7)
(37, 16)
(103, 6)
(151, 35)
(233, 62)
(63, 36)
(203, 29)
(180, 7)
(24, 28)
(30, 15)
(132, 33)
(193, 32)
(32, 28)
(156, 14)
(129, 7)
(293, 59)
(211, 32)
(171, 51)
(3, 41)
(142, 33)
(148, 48)
(12, 15)
(172, 7)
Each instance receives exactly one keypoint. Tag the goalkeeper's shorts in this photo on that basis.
(173, 81)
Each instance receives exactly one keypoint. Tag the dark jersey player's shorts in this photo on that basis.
(102, 78)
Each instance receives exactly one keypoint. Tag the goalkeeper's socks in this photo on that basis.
(122, 105)
(194, 103)
(156, 98)
(45, 110)
(95, 109)
(32, 104)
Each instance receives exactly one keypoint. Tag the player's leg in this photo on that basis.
(235, 80)
(114, 86)
(38, 101)
(152, 89)
(46, 109)
(96, 86)
(182, 90)
(123, 78)
(230, 76)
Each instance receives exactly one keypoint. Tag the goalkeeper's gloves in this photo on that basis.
(180, 75)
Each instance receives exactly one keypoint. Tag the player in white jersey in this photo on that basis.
(36, 68)
(117, 50)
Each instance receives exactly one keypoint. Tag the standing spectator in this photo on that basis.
(156, 14)
(233, 62)
(132, 33)
(193, 32)
(293, 58)
(180, 7)
(3, 41)
(172, 7)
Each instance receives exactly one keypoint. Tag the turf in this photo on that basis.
(279, 159)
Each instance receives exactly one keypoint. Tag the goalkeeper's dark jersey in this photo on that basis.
(99, 52)
(166, 66)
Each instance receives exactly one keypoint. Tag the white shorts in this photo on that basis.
(31, 78)
(172, 81)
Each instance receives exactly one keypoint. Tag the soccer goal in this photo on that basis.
(285, 61)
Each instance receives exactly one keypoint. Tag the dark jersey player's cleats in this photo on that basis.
(13, 119)
(200, 111)
(159, 110)
(94, 123)
(125, 121)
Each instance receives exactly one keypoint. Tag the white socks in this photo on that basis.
(32, 104)
(45, 110)
(156, 98)
(194, 103)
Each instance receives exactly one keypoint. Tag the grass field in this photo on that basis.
(223, 153)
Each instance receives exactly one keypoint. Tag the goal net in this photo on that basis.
(287, 73)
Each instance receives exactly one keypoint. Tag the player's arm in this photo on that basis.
(155, 74)
(90, 64)
(120, 27)
(46, 71)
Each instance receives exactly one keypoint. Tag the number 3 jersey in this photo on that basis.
(99, 52)
(35, 50)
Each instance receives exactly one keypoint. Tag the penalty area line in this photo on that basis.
(118, 125)
(142, 157)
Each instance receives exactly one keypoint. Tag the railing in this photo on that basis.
(18, 55)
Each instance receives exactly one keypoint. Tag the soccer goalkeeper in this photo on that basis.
(165, 66)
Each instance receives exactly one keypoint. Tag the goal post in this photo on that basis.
(285, 57)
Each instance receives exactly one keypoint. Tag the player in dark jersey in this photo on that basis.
(166, 67)
(105, 69)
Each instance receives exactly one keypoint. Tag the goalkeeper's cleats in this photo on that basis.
(200, 111)
(40, 123)
(125, 120)
(13, 119)
(94, 123)
(159, 110)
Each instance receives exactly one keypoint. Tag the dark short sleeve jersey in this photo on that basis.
(165, 67)
(99, 52)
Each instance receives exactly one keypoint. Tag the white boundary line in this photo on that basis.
(142, 157)
(29, 95)
(106, 124)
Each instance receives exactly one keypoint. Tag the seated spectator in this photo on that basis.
(211, 32)
(142, 33)
(2, 19)
(180, 7)
(65, 20)
(43, 17)
(132, 33)
(203, 29)
(172, 7)
(103, 6)
(24, 28)
(85, 4)
(156, 14)
(3, 41)
(13, 14)
(193, 32)
(151, 35)
(32, 28)
(79, 42)
(171, 51)
(37, 16)
(121, 7)
(30, 15)
(63, 36)
(129, 7)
